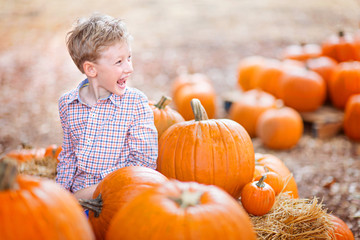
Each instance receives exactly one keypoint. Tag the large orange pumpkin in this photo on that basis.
(341, 47)
(280, 128)
(189, 86)
(116, 189)
(352, 118)
(164, 116)
(274, 164)
(209, 151)
(34, 208)
(178, 211)
(302, 89)
(247, 109)
(345, 82)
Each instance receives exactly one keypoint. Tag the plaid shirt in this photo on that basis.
(118, 131)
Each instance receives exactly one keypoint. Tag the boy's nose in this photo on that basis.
(128, 67)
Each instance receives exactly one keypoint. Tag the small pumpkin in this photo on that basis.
(52, 151)
(302, 89)
(182, 210)
(189, 86)
(302, 51)
(258, 197)
(352, 118)
(209, 151)
(342, 47)
(247, 109)
(345, 81)
(115, 190)
(34, 208)
(273, 179)
(26, 154)
(341, 231)
(247, 69)
(280, 128)
(164, 116)
(275, 164)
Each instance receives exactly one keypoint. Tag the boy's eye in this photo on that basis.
(129, 58)
(118, 62)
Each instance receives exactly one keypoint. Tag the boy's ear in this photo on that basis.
(89, 69)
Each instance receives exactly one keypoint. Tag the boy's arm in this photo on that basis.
(143, 137)
(66, 167)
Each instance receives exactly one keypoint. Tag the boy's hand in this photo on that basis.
(85, 193)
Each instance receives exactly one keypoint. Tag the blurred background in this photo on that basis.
(170, 36)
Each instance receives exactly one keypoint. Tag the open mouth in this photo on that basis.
(122, 83)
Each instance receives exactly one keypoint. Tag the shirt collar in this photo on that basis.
(75, 95)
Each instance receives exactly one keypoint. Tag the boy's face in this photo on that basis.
(114, 68)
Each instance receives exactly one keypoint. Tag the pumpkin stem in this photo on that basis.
(8, 174)
(198, 110)
(261, 183)
(188, 198)
(94, 205)
(164, 101)
(341, 33)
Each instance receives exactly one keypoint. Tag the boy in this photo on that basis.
(106, 124)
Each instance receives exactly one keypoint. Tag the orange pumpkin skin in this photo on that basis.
(167, 213)
(187, 87)
(118, 188)
(164, 116)
(249, 107)
(352, 118)
(303, 90)
(257, 197)
(302, 52)
(213, 151)
(341, 229)
(274, 164)
(247, 69)
(259, 170)
(280, 128)
(268, 77)
(41, 209)
(341, 47)
(345, 82)
(25, 154)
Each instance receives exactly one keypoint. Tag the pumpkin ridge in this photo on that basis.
(220, 126)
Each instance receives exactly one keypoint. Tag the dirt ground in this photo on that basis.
(172, 36)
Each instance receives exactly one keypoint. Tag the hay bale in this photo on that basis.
(42, 167)
(294, 219)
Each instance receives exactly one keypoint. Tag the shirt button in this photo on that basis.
(89, 176)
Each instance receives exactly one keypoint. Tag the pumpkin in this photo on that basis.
(273, 179)
(210, 151)
(182, 210)
(276, 165)
(52, 151)
(324, 66)
(280, 128)
(116, 189)
(34, 208)
(258, 197)
(189, 86)
(247, 109)
(302, 51)
(26, 154)
(269, 76)
(259, 170)
(340, 228)
(341, 47)
(302, 89)
(352, 118)
(164, 116)
(344, 82)
(247, 69)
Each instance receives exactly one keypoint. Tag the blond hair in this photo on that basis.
(90, 35)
